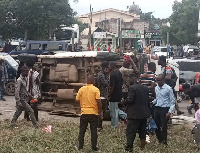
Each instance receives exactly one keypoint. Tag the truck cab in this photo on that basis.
(39, 47)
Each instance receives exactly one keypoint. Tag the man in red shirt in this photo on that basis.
(197, 78)
(91, 48)
(98, 48)
(109, 49)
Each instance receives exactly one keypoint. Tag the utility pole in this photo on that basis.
(90, 31)
(121, 33)
(167, 44)
(72, 40)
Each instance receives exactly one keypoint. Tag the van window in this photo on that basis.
(34, 46)
(60, 47)
(163, 49)
(44, 46)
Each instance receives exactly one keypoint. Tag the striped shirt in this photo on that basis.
(147, 79)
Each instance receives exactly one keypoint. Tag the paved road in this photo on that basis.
(7, 108)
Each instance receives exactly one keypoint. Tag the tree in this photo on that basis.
(147, 16)
(81, 24)
(39, 18)
(135, 9)
(184, 22)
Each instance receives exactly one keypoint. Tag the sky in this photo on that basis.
(161, 8)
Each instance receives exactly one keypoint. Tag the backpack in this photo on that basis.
(172, 82)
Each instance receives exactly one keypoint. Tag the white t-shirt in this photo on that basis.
(185, 48)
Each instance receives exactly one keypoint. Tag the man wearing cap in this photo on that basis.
(3, 78)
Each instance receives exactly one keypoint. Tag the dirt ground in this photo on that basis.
(7, 109)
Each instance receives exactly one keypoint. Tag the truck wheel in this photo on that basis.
(10, 89)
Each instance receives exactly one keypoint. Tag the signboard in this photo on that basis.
(152, 35)
(131, 34)
(99, 35)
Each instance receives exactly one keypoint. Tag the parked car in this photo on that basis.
(159, 51)
(191, 50)
(12, 67)
(188, 69)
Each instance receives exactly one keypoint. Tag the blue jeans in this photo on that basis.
(190, 107)
(115, 113)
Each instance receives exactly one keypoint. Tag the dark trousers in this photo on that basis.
(152, 109)
(93, 121)
(104, 108)
(19, 110)
(2, 89)
(35, 109)
(134, 126)
(161, 122)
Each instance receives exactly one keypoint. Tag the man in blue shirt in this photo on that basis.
(164, 106)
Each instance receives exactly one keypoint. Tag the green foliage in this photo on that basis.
(184, 22)
(64, 137)
(134, 8)
(81, 25)
(146, 16)
(39, 17)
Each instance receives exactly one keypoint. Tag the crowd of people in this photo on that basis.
(142, 97)
(129, 96)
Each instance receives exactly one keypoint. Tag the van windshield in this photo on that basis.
(163, 49)
(11, 61)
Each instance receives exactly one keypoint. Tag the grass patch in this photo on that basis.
(64, 136)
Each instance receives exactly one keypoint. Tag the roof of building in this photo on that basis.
(111, 9)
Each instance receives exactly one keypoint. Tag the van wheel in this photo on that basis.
(10, 89)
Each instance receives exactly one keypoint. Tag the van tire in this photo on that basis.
(10, 89)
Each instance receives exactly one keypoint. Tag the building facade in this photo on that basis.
(120, 28)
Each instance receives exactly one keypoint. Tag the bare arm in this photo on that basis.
(99, 104)
(78, 96)
(152, 88)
